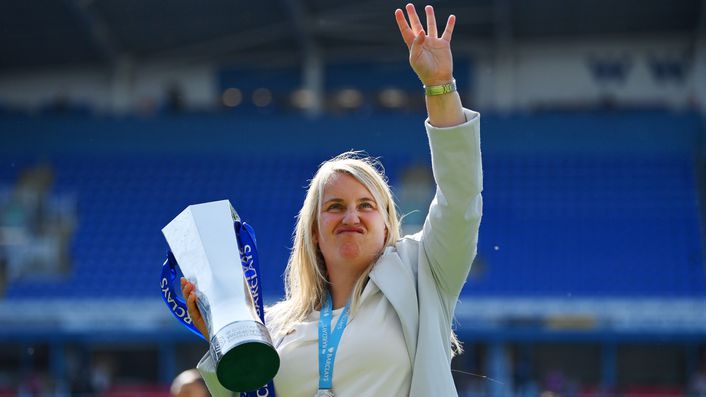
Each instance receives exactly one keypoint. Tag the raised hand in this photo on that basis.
(429, 54)
(189, 292)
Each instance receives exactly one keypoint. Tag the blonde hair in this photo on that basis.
(306, 276)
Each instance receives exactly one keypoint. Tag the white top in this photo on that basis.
(372, 359)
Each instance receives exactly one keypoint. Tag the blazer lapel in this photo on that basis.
(397, 283)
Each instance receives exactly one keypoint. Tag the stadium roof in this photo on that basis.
(49, 33)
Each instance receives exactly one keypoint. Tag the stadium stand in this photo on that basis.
(590, 233)
(591, 226)
(602, 221)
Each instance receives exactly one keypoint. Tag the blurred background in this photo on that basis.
(117, 114)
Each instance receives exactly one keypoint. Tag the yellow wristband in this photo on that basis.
(440, 89)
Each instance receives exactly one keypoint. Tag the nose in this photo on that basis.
(351, 217)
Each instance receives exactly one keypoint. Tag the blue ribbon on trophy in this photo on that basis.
(202, 216)
(176, 304)
(251, 270)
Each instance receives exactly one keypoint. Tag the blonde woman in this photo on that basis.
(386, 303)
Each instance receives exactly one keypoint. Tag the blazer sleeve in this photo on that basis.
(450, 233)
(207, 369)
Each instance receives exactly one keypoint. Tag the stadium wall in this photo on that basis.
(664, 71)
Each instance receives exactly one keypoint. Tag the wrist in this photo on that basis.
(440, 88)
(438, 80)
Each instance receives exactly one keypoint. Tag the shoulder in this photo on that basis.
(270, 312)
(279, 319)
(274, 318)
(406, 244)
(406, 250)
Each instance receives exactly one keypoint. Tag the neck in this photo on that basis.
(341, 287)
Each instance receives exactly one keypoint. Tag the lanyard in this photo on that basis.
(329, 339)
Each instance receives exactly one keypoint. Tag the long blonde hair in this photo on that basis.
(306, 276)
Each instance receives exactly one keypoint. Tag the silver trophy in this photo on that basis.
(203, 241)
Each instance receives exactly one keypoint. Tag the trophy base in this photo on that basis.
(245, 357)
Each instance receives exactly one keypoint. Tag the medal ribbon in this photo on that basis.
(329, 338)
(251, 271)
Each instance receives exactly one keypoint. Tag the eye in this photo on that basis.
(367, 205)
(334, 207)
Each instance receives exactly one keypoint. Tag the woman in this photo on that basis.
(394, 297)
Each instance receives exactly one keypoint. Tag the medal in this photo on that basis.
(325, 393)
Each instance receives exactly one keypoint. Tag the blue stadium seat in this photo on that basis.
(557, 222)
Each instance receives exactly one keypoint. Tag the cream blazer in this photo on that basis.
(422, 274)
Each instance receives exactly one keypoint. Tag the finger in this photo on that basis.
(414, 19)
(407, 34)
(431, 21)
(419, 39)
(449, 30)
(194, 312)
(191, 301)
(415, 51)
(195, 315)
(186, 287)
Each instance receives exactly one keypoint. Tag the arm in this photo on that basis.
(450, 232)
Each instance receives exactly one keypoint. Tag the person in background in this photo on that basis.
(189, 384)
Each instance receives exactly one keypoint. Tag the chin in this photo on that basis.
(360, 260)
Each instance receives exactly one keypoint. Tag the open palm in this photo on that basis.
(429, 55)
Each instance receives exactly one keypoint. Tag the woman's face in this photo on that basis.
(352, 231)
